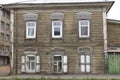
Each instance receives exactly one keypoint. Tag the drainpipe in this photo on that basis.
(105, 36)
(0, 17)
(12, 38)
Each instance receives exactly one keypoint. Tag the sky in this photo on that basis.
(114, 12)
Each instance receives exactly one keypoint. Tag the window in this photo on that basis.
(31, 29)
(59, 62)
(84, 28)
(7, 37)
(2, 36)
(2, 25)
(30, 63)
(8, 15)
(7, 27)
(85, 59)
(56, 29)
(7, 49)
(2, 13)
(85, 63)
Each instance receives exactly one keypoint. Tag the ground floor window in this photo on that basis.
(30, 63)
(59, 62)
(4, 60)
(85, 63)
(85, 59)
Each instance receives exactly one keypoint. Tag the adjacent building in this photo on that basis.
(113, 46)
(4, 41)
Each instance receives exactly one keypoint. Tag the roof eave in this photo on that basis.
(113, 21)
(106, 4)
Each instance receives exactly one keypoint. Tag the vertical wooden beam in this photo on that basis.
(104, 30)
(12, 38)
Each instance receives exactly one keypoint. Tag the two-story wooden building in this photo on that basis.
(57, 38)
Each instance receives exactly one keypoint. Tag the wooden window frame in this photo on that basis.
(85, 63)
(88, 30)
(27, 27)
(85, 51)
(61, 29)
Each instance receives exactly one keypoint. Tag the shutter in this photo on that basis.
(52, 63)
(22, 63)
(37, 63)
(65, 64)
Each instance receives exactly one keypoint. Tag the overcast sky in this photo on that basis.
(114, 12)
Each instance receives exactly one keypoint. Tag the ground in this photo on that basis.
(65, 77)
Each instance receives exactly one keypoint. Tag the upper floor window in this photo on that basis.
(2, 12)
(7, 26)
(8, 15)
(31, 29)
(7, 49)
(56, 29)
(84, 28)
(2, 25)
(7, 37)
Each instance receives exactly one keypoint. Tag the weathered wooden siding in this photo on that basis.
(113, 34)
(70, 41)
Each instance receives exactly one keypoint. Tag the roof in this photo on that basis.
(59, 1)
(113, 21)
(104, 4)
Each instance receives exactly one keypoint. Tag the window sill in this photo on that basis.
(56, 38)
(30, 39)
(84, 38)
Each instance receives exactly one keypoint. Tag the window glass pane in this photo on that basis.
(2, 12)
(7, 27)
(32, 65)
(56, 30)
(8, 15)
(55, 68)
(87, 59)
(82, 59)
(28, 64)
(84, 30)
(7, 49)
(30, 31)
(60, 66)
(7, 37)
(57, 58)
(82, 68)
(84, 22)
(31, 58)
(87, 68)
(31, 24)
(2, 25)
(56, 23)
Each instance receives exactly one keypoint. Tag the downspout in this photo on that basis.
(12, 38)
(105, 36)
(0, 17)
